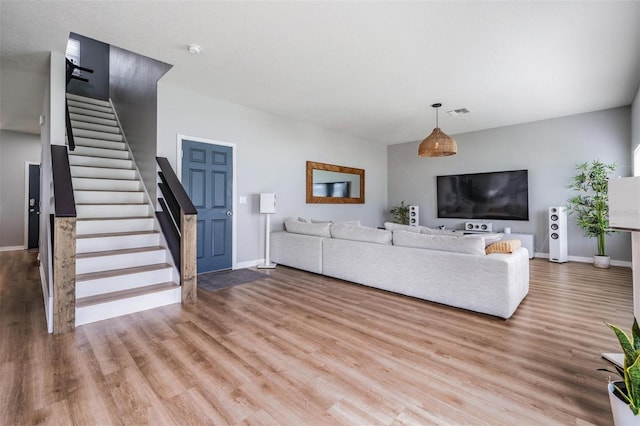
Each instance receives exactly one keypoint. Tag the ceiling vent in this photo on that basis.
(459, 111)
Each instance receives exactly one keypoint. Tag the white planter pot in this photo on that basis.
(601, 261)
(622, 415)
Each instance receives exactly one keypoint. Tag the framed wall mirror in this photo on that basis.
(331, 184)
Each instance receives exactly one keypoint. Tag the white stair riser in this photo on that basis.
(88, 314)
(102, 173)
(86, 288)
(88, 184)
(83, 125)
(81, 160)
(85, 211)
(100, 152)
(97, 143)
(84, 99)
(108, 226)
(106, 197)
(94, 120)
(119, 242)
(119, 261)
(98, 114)
(89, 106)
(97, 135)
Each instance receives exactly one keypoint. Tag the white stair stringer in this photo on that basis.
(121, 264)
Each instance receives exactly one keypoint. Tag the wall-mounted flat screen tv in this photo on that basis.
(496, 195)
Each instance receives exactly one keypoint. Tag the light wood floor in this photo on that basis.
(298, 348)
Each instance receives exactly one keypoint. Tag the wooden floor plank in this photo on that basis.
(300, 348)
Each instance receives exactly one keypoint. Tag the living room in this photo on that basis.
(301, 348)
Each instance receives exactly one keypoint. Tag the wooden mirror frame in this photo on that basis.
(312, 165)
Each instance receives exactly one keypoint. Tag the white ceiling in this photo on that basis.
(369, 69)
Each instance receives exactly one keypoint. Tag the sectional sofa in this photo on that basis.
(449, 269)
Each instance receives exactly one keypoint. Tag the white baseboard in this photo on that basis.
(249, 264)
(582, 259)
(48, 299)
(11, 248)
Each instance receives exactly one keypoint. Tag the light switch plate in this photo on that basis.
(243, 199)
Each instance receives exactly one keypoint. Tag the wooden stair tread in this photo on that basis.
(103, 178)
(119, 272)
(109, 190)
(118, 252)
(86, 219)
(116, 234)
(124, 294)
(112, 204)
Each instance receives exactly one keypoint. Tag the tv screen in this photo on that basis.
(496, 195)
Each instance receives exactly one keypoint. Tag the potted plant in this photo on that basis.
(624, 395)
(400, 214)
(591, 204)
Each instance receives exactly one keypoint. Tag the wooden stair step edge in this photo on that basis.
(116, 234)
(119, 272)
(124, 294)
(118, 252)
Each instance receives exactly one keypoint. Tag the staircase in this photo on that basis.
(121, 264)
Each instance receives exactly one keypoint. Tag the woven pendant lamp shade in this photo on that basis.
(438, 143)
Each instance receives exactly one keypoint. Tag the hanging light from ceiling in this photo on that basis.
(438, 143)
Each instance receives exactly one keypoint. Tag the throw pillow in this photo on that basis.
(507, 246)
(489, 238)
(318, 229)
(439, 242)
(360, 233)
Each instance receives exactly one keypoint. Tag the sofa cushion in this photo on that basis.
(507, 246)
(489, 238)
(318, 229)
(360, 233)
(431, 231)
(468, 245)
(391, 226)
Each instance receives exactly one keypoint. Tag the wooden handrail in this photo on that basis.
(64, 202)
(71, 67)
(179, 222)
(175, 186)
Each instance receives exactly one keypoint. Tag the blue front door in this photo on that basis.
(207, 176)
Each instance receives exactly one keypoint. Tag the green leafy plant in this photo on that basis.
(630, 371)
(400, 214)
(591, 204)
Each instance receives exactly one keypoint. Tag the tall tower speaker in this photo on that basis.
(414, 216)
(558, 235)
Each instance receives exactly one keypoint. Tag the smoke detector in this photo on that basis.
(194, 49)
(459, 111)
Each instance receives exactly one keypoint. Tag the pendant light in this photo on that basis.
(438, 143)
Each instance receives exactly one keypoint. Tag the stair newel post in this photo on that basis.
(188, 257)
(64, 243)
(64, 275)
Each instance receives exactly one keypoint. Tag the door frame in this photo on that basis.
(234, 223)
(26, 201)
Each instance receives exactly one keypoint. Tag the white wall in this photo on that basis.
(549, 149)
(271, 157)
(16, 148)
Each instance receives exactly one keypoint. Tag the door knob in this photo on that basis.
(229, 213)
